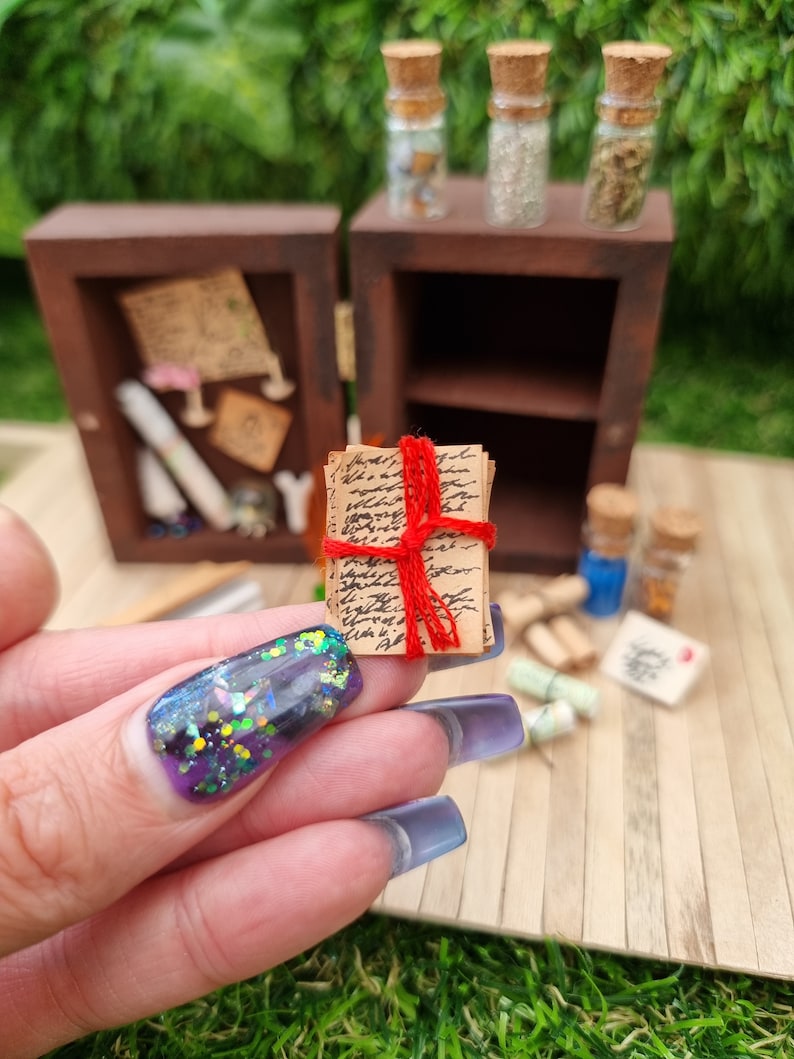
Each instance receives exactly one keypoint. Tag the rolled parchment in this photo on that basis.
(555, 597)
(160, 497)
(160, 432)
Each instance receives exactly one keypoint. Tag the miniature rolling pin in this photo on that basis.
(556, 597)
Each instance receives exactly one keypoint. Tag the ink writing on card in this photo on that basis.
(653, 659)
(643, 662)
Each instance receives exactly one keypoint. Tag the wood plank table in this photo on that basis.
(655, 832)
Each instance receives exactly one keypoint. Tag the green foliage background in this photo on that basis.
(282, 100)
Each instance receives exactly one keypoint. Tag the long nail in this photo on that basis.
(218, 729)
(441, 662)
(477, 726)
(420, 831)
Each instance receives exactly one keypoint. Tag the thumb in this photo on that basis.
(28, 582)
(91, 808)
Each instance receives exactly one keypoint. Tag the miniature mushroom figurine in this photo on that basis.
(276, 387)
(186, 378)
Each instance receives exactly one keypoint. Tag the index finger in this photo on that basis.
(55, 676)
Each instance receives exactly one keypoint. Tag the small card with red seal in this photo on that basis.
(406, 546)
(654, 660)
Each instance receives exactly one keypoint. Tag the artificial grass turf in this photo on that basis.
(399, 990)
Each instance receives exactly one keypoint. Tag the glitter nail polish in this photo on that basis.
(220, 728)
(420, 830)
(477, 726)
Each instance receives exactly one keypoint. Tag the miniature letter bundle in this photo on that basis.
(406, 548)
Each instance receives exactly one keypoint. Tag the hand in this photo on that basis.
(156, 844)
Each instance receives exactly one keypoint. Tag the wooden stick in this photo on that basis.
(197, 581)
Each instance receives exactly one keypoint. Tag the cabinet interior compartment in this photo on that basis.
(533, 345)
(108, 330)
(541, 478)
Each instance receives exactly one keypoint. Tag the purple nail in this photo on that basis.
(477, 726)
(420, 831)
(217, 730)
(439, 663)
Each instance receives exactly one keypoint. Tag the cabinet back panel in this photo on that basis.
(515, 321)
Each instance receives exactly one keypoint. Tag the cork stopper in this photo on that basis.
(413, 69)
(675, 529)
(611, 511)
(632, 72)
(518, 76)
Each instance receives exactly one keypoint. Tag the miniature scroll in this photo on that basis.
(407, 542)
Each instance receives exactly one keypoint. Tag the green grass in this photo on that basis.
(725, 384)
(397, 990)
(29, 384)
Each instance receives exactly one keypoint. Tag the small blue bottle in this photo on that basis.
(607, 536)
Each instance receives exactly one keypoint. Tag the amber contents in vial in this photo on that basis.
(667, 553)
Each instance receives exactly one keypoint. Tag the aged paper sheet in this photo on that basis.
(209, 322)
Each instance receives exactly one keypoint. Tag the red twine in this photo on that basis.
(423, 517)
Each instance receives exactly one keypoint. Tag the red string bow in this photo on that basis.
(422, 490)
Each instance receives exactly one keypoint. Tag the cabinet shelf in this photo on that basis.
(541, 391)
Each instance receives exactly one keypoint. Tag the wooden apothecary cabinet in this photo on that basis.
(81, 256)
(536, 344)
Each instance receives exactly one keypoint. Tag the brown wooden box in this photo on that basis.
(537, 344)
(81, 256)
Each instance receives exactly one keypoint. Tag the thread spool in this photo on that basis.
(544, 683)
(549, 721)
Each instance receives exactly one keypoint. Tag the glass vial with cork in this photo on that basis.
(607, 537)
(518, 134)
(625, 135)
(416, 149)
(667, 552)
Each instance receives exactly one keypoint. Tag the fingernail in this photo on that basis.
(441, 662)
(217, 730)
(420, 831)
(477, 726)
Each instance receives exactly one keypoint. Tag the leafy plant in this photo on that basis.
(265, 100)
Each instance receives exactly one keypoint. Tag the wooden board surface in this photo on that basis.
(661, 833)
